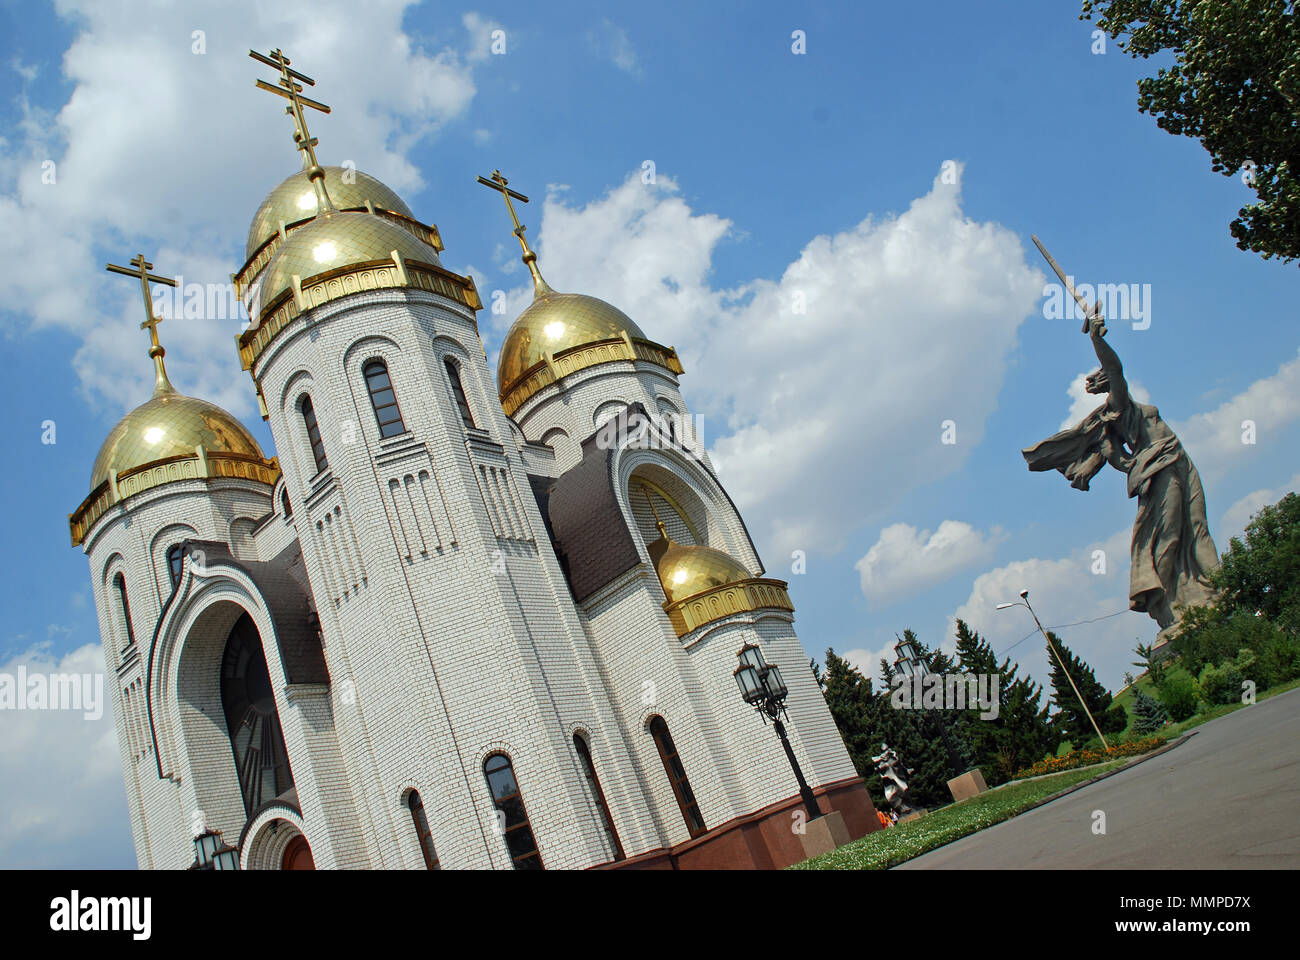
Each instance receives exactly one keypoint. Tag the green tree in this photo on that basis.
(1020, 735)
(1149, 714)
(1154, 666)
(852, 703)
(1070, 719)
(1235, 86)
(1262, 574)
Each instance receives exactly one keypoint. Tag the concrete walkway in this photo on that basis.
(1228, 798)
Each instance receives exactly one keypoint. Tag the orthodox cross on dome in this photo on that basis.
(151, 321)
(291, 89)
(499, 183)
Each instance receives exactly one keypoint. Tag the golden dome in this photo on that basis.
(685, 570)
(555, 322)
(170, 424)
(331, 241)
(295, 200)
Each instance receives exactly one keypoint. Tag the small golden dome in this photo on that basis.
(555, 322)
(170, 424)
(331, 241)
(685, 570)
(295, 200)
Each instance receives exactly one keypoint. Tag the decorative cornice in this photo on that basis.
(168, 470)
(426, 232)
(354, 278)
(740, 597)
(552, 369)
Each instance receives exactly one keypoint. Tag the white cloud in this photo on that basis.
(808, 384)
(610, 41)
(164, 151)
(1083, 403)
(867, 662)
(1238, 515)
(1064, 590)
(480, 32)
(1215, 439)
(905, 560)
(63, 804)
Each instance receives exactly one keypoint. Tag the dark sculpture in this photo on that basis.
(1172, 552)
(892, 770)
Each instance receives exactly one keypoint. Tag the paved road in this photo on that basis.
(1227, 798)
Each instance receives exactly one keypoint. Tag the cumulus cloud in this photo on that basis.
(1238, 515)
(904, 560)
(1216, 439)
(807, 381)
(1090, 584)
(163, 146)
(63, 804)
(1083, 403)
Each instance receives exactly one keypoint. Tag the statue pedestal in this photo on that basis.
(967, 785)
(824, 834)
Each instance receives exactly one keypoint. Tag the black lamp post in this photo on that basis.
(762, 688)
(907, 664)
(213, 853)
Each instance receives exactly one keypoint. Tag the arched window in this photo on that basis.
(383, 399)
(677, 777)
(285, 505)
(422, 830)
(119, 583)
(598, 795)
(458, 388)
(313, 435)
(175, 560)
(505, 794)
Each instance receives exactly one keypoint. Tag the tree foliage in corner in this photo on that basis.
(1235, 86)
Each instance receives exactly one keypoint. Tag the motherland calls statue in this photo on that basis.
(1172, 552)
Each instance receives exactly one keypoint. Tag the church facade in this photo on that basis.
(458, 621)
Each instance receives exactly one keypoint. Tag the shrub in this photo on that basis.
(1149, 714)
(1178, 694)
(1223, 684)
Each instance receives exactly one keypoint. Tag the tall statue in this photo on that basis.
(1172, 552)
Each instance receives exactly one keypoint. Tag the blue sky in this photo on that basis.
(776, 174)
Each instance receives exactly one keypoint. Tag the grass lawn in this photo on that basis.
(885, 848)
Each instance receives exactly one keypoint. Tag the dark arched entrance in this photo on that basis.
(256, 738)
(297, 855)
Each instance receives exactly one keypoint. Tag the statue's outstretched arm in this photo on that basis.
(1110, 365)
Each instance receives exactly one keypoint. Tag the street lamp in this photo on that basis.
(763, 688)
(1024, 602)
(213, 853)
(907, 661)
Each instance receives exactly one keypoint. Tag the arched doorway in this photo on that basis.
(297, 855)
(248, 701)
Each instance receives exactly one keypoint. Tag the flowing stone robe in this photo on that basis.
(1172, 551)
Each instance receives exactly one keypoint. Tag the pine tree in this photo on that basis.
(1149, 714)
(1070, 718)
(851, 701)
(1021, 735)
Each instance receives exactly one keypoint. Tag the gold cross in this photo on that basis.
(291, 90)
(142, 268)
(498, 182)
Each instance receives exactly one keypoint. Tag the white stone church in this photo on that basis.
(457, 621)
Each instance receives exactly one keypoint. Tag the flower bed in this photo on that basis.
(1085, 758)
